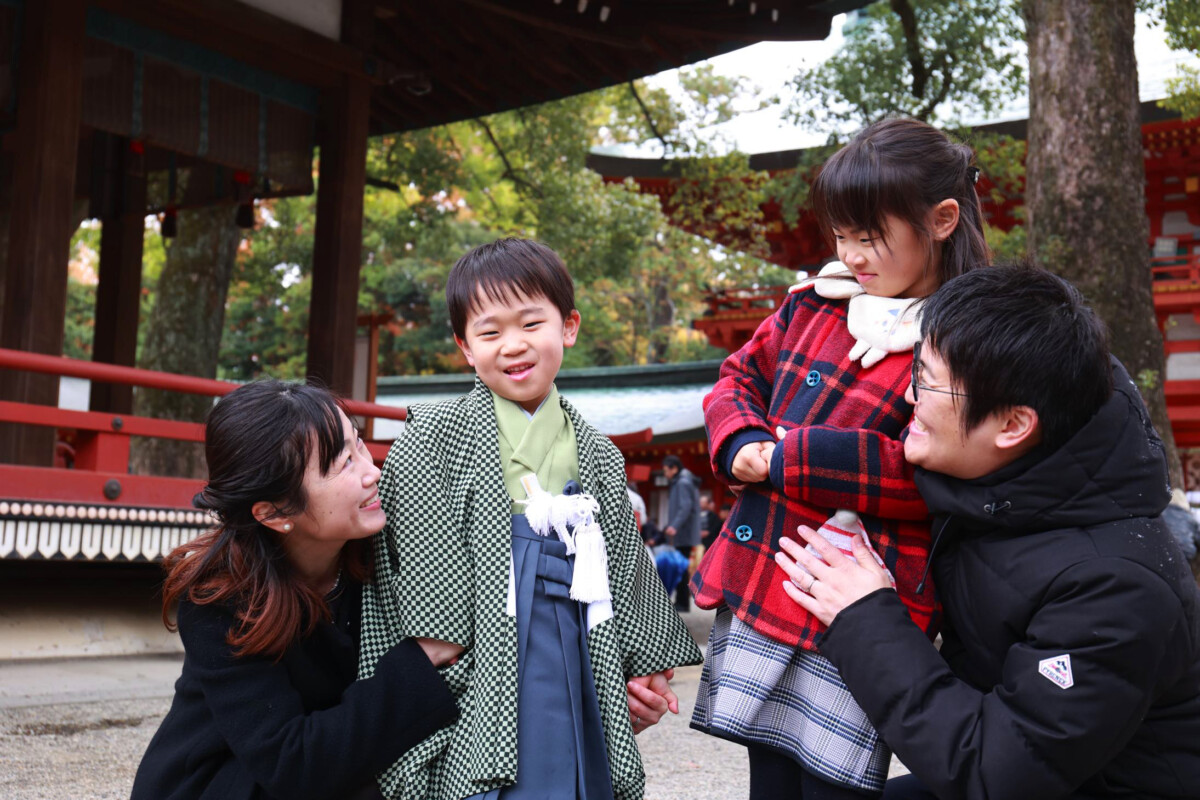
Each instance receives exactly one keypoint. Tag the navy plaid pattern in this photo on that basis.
(757, 691)
(842, 450)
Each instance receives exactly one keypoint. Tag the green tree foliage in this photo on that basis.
(440, 191)
(935, 60)
(1181, 21)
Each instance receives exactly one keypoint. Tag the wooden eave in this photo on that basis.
(479, 57)
(433, 62)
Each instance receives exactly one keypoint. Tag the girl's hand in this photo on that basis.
(650, 697)
(750, 465)
(441, 654)
(824, 588)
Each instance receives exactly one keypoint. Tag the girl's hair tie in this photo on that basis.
(973, 174)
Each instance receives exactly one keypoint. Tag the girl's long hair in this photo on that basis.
(902, 168)
(258, 441)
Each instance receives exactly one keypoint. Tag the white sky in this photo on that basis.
(772, 65)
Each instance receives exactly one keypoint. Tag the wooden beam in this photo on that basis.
(50, 92)
(439, 60)
(249, 35)
(337, 245)
(627, 22)
(118, 296)
(505, 45)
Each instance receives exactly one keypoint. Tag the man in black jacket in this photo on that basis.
(1070, 664)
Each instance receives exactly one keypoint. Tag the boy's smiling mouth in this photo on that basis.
(519, 371)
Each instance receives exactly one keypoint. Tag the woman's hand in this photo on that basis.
(825, 587)
(752, 464)
(441, 654)
(650, 697)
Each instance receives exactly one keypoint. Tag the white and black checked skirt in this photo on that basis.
(754, 690)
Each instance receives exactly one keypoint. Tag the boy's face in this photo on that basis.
(516, 345)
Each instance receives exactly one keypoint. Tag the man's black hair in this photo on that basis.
(1020, 336)
(499, 270)
(672, 461)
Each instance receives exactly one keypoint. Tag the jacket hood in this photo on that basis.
(1113, 468)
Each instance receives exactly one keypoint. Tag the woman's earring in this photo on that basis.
(287, 527)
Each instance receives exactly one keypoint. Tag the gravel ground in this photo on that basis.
(91, 750)
(77, 729)
(75, 750)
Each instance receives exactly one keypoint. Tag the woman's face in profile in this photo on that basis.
(343, 504)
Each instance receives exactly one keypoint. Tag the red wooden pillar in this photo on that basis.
(118, 295)
(46, 141)
(337, 245)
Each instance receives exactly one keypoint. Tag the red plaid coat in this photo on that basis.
(842, 450)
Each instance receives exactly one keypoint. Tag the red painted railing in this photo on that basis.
(1174, 273)
(100, 469)
(738, 302)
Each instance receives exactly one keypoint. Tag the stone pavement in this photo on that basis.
(77, 728)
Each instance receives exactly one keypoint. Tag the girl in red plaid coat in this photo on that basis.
(809, 416)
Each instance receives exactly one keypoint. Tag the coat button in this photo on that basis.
(743, 533)
(813, 378)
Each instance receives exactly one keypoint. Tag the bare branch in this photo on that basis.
(912, 45)
(943, 66)
(509, 172)
(649, 119)
(462, 160)
(380, 183)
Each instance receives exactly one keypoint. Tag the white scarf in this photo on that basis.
(879, 325)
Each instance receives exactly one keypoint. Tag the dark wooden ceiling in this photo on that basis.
(441, 61)
(436, 61)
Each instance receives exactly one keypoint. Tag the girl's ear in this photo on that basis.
(943, 219)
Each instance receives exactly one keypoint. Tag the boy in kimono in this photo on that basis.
(510, 532)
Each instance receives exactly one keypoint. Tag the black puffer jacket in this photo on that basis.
(1071, 657)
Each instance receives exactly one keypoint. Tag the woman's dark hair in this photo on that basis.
(501, 268)
(903, 168)
(1020, 336)
(258, 441)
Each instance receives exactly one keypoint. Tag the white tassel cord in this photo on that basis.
(589, 583)
(562, 513)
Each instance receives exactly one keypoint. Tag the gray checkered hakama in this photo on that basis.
(754, 690)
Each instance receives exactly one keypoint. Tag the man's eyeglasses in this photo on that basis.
(916, 377)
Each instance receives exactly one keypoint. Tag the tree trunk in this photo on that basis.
(183, 334)
(1085, 179)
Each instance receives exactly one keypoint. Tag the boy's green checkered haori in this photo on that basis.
(442, 571)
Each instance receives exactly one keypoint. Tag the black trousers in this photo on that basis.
(683, 594)
(907, 787)
(777, 777)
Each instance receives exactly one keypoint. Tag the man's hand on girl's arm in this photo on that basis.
(825, 587)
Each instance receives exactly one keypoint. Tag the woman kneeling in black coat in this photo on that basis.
(269, 609)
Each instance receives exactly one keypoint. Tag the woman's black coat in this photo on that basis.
(1071, 657)
(301, 727)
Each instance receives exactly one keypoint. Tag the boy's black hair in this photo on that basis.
(1021, 336)
(672, 461)
(902, 167)
(499, 270)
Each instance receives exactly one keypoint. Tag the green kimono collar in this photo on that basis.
(544, 444)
